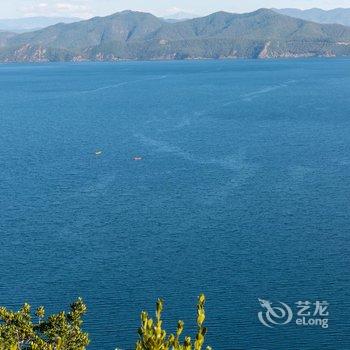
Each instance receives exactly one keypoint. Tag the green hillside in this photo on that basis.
(339, 15)
(135, 35)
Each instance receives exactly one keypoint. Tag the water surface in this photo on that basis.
(242, 193)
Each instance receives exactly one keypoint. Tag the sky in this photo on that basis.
(90, 8)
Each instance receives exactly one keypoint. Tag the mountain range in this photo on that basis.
(4, 36)
(20, 25)
(339, 15)
(180, 16)
(142, 36)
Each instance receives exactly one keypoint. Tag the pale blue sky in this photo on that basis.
(89, 8)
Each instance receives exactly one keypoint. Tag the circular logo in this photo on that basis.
(274, 315)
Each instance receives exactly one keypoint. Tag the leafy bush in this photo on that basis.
(62, 331)
(153, 337)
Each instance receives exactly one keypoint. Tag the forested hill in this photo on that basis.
(142, 36)
(339, 15)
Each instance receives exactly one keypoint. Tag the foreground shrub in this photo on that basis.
(153, 337)
(62, 331)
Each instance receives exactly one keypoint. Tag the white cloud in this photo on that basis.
(88, 8)
(65, 7)
(173, 10)
(78, 9)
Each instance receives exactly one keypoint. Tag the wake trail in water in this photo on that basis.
(254, 94)
(113, 86)
(235, 162)
(105, 88)
(248, 97)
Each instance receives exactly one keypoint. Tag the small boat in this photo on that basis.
(98, 153)
(137, 158)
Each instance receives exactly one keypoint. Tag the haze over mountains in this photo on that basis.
(20, 25)
(4, 36)
(340, 15)
(142, 36)
(180, 16)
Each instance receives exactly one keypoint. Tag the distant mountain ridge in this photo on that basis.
(338, 16)
(180, 16)
(20, 25)
(4, 37)
(132, 35)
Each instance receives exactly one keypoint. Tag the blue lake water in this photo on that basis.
(243, 192)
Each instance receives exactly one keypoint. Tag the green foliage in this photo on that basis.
(62, 331)
(20, 330)
(153, 337)
(141, 36)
